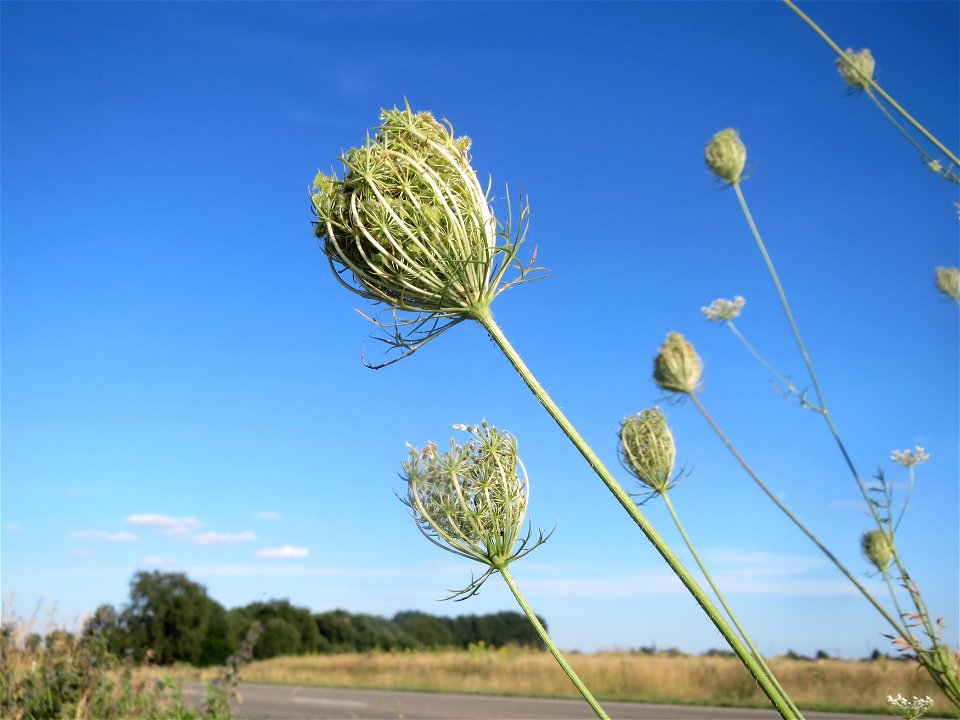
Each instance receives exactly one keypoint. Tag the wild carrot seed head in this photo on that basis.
(877, 549)
(677, 367)
(856, 68)
(726, 156)
(948, 282)
(647, 449)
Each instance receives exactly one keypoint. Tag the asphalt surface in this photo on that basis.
(292, 702)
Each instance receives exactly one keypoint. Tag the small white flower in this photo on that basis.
(721, 309)
(909, 709)
(909, 458)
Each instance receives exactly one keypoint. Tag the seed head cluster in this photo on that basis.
(409, 219)
(856, 68)
(647, 449)
(677, 367)
(726, 156)
(876, 548)
(948, 282)
(472, 499)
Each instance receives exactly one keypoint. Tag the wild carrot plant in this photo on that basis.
(409, 226)
(726, 156)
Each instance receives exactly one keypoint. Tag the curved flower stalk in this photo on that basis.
(408, 226)
(856, 68)
(648, 452)
(472, 501)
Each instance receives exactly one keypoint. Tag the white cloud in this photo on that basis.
(268, 515)
(81, 553)
(287, 551)
(103, 536)
(215, 538)
(12, 527)
(156, 560)
(167, 524)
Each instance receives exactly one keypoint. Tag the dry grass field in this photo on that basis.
(821, 684)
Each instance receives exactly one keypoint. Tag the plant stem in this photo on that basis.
(484, 316)
(554, 650)
(796, 521)
(723, 602)
(880, 90)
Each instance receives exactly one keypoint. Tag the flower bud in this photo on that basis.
(948, 282)
(876, 548)
(856, 68)
(726, 156)
(647, 449)
(677, 367)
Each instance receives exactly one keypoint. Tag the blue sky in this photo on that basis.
(181, 375)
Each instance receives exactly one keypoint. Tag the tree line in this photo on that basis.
(170, 618)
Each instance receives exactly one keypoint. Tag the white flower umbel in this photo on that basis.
(909, 458)
(722, 310)
(909, 709)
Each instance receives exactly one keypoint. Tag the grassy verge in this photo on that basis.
(829, 685)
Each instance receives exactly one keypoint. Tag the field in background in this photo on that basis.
(820, 684)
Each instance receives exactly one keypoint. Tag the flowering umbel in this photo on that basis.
(856, 68)
(409, 226)
(910, 458)
(647, 449)
(677, 367)
(726, 155)
(472, 500)
(948, 282)
(876, 548)
(722, 310)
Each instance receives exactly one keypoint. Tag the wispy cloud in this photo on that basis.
(167, 524)
(215, 538)
(81, 553)
(297, 571)
(286, 551)
(103, 536)
(269, 515)
(156, 561)
(12, 527)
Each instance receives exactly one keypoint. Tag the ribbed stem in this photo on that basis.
(485, 317)
(723, 602)
(554, 650)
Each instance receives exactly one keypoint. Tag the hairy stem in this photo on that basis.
(545, 637)
(485, 317)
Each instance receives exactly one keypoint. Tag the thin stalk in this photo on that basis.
(796, 521)
(873, 84)
(723, 602)
(484, 316)
(824, 412)
(763, 361)
(554, 650)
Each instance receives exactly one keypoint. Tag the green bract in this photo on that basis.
(409, 225)
(647, 449)
(472, 500)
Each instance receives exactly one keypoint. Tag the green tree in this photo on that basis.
(168, 615)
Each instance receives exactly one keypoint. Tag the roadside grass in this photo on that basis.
(826, 685)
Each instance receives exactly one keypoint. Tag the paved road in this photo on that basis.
(291, 702)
